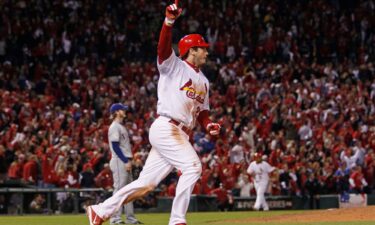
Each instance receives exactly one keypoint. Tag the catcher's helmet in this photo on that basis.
(189, 41)
(117, 106)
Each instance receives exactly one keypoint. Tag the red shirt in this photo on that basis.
(369, 175)
(221, 194)
(104, 179)
(357, 177)
(30, 171)
(48, 171)
(172, 190)
(197, 188)
(15, 170)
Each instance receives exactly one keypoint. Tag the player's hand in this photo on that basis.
(213, 128)
(128, 166)
(172, 12)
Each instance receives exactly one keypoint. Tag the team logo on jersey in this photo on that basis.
(192, 93)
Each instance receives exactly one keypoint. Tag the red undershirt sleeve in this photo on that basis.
(165, 43)
(203, 118)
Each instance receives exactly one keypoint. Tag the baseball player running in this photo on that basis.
(120, 163)
(182, 101)
(260, 170)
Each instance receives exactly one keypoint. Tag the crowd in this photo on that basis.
(292, 80)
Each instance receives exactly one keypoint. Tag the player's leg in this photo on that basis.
(129, 212)
(155, 169)
(257, 204)
(262, 199)
(173, 144)
(119, 180)
(191, 172)
(129, 207)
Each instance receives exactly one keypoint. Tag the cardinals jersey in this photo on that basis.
(261, 171)
(182, 91)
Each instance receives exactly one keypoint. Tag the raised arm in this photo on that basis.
(172, 12)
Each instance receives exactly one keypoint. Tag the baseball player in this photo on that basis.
(120, 164)
(183, 100)
(260, 170)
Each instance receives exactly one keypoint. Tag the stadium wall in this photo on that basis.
(197, 203)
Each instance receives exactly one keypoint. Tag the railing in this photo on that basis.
(19, 198)
(17, 201)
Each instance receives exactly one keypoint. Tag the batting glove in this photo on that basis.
(213, 128)
(172, 12)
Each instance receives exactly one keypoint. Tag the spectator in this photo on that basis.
(163, 190)
(146, 202)
(37, 204)
(3, 165)
(171, 191)
(16, 168)
(87, 177)
(358, 183)
(237, 154)
(137, 167)
(369, 169)
(224, 198)
(349, 158)
(286, 179)
(313, 188)
(342, 181)
(245, 185)
(48, 173)
(206, 144)
(30, 170)
(104, 178)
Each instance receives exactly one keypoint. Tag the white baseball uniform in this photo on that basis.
(260, 171)
(121, 177)
(182, 94)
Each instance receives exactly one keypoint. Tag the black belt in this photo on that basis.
(180, 125)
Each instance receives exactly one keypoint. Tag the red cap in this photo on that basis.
(189, 41)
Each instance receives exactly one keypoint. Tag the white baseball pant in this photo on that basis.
(170, 149)
(260, 202)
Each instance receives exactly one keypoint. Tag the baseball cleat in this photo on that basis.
(117, 223)
(94, 219)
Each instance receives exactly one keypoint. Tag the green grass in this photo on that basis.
(209, 218)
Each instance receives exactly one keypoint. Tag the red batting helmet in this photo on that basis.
(189, 41)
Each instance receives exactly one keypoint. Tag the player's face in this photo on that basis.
(121, 114)
(200, 56)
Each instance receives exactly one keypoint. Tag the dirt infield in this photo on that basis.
(330, 215)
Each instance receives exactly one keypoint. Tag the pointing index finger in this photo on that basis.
(176, 3)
